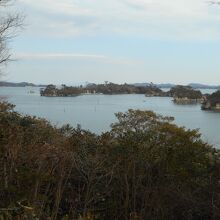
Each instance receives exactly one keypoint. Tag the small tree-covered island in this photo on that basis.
(186, 95)
(212, 102)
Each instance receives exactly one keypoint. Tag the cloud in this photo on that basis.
(76, 56)
(40, 56)
(65, 7)
(176, 19)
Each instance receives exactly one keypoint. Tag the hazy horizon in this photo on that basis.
(86, 82)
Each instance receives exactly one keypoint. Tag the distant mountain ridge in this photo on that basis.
(170, 85)
(160, 85)
(20, 84)
(202, 86)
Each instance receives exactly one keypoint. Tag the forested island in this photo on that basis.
(181, 94)
(186, 95)
(212, 102)
(106, 89)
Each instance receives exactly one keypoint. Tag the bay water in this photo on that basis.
(96, 112)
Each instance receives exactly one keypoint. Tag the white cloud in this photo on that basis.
(76, 56)
(66, 7)
(36, 56)
(153, 18)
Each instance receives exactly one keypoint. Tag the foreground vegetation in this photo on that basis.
(144, 168)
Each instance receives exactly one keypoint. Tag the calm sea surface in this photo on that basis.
(96, 112)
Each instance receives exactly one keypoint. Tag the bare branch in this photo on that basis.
(10, 24)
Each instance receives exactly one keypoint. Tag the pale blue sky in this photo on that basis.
(73, 41)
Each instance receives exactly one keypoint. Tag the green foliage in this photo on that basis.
(185, 92)
(108, 89)
(65, 91)
(214, 98)
(146, 167)
(212, 101)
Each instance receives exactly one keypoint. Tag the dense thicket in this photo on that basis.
(144, 168)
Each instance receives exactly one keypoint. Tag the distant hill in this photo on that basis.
(203, 86)
(163, 85)
(166, 85)
(170, 85)
(144, 84)
(21, 84)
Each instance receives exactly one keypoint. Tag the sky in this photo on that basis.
(77, 41)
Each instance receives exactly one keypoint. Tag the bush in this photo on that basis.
(144, 168)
